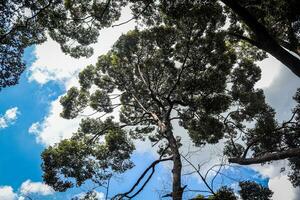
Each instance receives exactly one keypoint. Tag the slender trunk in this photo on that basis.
(177, 190)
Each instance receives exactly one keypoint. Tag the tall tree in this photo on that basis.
(271, 26)
(160, 75)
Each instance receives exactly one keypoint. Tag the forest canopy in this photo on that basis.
(187, 63)
(271, 26)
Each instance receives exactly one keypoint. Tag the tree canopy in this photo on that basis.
(192, 63)
(271, 26)
(153, 79)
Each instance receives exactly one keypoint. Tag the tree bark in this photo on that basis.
(295, 152)
(264, 40)
(177, 190)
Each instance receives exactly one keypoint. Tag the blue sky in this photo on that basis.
(36, 124)
(20, 151)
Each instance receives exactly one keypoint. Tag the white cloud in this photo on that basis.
(270, 69)
(283, 188)
(53, 64)
(7, 193)
(28, 187)
(54, 128)
(9, 117)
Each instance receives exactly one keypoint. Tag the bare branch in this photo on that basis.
(150, 167)
(198, 172)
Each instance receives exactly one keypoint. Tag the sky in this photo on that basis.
(29, 122)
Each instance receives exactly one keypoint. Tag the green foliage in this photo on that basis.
(248, 191)
(17, 33)
(75, 25)
(281, 18)
(153, 73)
(224, 193)
(253, 191)
(85, 157)
(91, 195)
(182, 66)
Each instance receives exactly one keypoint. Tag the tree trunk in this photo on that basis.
(264, 40)
(177, 190)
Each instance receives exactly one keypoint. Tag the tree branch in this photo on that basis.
(134, 17)
(294, 152)
(26, 21)
(152, 166)
(264, 39)
(201, 176)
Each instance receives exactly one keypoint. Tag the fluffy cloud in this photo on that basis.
(7, 193)
(270, 69)
(283, 188)
(9, 117)
(52, 64)
(53, 128)
(28, 187)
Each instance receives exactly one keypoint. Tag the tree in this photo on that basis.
(17, 31)
(248, 191)
(73, 24)
(272, 26)
(268, 140)
(158, 76)
(265, 25)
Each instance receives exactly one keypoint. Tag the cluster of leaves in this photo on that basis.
(15, 36)
(75, 24)
(77, 160)
(248, 191)
(281, 18)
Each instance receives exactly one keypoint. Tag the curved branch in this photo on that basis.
(294, 152)
(152, 166)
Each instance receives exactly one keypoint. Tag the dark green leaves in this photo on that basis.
(100, 102)
(253, 191)
(85, 157)
(73, 102)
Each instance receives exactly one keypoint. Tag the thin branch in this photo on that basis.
(198, 172)
(150, 167)
(27, 21)
(134, 17)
